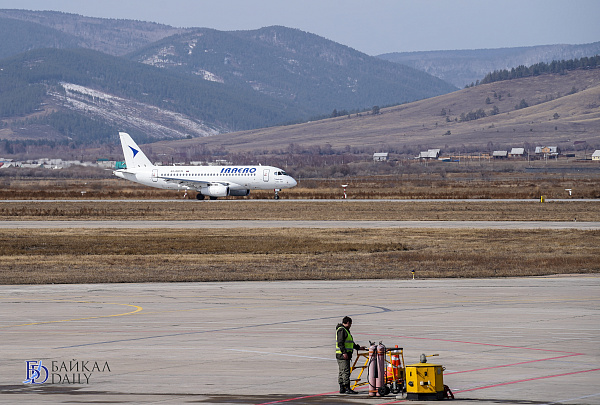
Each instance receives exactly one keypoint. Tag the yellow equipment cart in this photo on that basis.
(395, 376)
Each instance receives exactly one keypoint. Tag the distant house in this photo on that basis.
(380, 157)
(500, 154)
(429, 154)
(596, 155)
(6, 163)
(105, 163)
(547, 150)
(516, 152)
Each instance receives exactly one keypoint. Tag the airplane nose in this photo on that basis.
(292, 182)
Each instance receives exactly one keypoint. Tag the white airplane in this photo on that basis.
(208, 181)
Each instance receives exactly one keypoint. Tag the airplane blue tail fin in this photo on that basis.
(134, 157)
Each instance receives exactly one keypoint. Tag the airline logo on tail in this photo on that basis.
(135, 151)
(133, 160)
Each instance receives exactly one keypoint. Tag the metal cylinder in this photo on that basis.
(372, 370)
(380, 379)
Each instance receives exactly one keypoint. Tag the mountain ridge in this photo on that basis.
(291, 64)
(463, 67)
(273, 75)
(112, 36)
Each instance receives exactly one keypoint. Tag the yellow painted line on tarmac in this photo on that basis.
(137, 309)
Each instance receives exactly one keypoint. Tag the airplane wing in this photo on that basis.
(123, 171)
(191, 183)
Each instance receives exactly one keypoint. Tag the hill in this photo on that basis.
(84, 95)
(563, 110)
(111, 36)
(22, 36)
(315, 74)
(204, 82)
(200, 82)
(463, 67)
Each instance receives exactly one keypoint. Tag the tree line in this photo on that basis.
(542, 68)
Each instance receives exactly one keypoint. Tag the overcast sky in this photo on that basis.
(370, 26)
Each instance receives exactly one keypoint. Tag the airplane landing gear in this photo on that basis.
(277, 190)
(199, 196)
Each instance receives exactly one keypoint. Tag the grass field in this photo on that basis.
(178, 255)
(476, 210)
(160, 255)
(414, 181)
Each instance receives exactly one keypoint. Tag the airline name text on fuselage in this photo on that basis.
(238, 170)
(227, 170)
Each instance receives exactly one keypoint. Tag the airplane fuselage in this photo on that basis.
(236, 178)
(208, 181)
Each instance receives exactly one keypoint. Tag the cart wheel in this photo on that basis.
(383, 391)
(396, 390)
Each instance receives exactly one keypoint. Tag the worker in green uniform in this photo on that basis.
(344, 347)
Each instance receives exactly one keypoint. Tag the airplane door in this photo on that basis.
(155, 175)
(266, 175)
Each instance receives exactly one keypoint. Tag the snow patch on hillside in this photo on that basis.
(211, 77)
(125, 113)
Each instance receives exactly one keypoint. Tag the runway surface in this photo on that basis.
(526, 341)
(230, 224)
(283, 201)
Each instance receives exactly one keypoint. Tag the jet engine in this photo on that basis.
(215, 190)
(239, 193)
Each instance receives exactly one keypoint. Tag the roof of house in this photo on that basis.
(551, 149)
(431, 153)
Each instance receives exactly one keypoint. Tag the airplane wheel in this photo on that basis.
(213, 198)
(199, 196)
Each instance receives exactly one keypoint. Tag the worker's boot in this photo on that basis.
(342, 389)
(350, 390)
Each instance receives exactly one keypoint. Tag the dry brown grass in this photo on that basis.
(306, 210)
(481, 183)
(168, 255)
(160, 255)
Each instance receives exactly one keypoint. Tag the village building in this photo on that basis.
(380, 157)
(516, 153)
(429, 154)
(547, 151)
